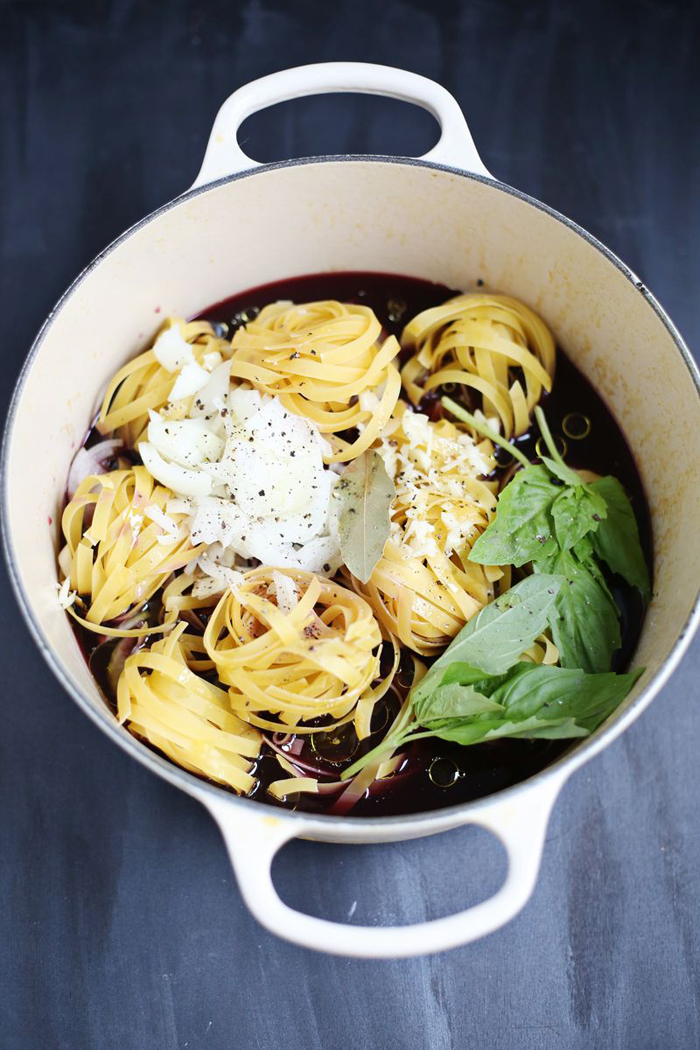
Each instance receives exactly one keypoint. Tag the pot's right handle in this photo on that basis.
(224, 156)
(253, 838)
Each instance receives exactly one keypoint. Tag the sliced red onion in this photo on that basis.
(130, 619)
(297, 762)
(282, 738)
(191, 617)
(290, 744)
(330, 789)
(89, 461)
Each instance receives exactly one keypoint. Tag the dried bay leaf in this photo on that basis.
(363, 496)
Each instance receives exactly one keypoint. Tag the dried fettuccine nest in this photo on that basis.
(121, 546)
(177, 368)
(186, 717)
(424, 588)
(294, 647)
(494, 347)
(322, 359)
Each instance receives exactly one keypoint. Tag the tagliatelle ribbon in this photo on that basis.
(350, 790)
(285, 670)
(320, 358)
(490, 344)
(143, 385)
(425, 599)
(542, 651)
(116, 556)
(186, 717)
(316, 664)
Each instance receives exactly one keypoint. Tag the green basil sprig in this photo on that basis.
(530, 702)
(549, 518)
(480, 690)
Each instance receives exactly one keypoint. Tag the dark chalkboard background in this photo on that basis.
(120, 924)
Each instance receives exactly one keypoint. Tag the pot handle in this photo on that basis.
(224, 156)
(253, 838)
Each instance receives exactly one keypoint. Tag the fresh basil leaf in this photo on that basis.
(523, 528)
(544, 703)
(493, 640)
(536, 728)
(454, 701)
(556, 692)
(583, 549)
(584, 553)
(362, 500)
(584, 618)
(576, 512)
(561, 471)
(480, 732)
(463, 674)
(617, 539)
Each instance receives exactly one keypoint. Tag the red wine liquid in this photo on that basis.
(437, 773)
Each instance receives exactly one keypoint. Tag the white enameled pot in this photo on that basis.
(441, 217)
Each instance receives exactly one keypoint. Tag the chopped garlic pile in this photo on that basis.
(441, 501)
(248, 474)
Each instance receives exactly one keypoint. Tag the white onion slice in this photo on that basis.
(221, 575)
(215, 390)
(179, 479)
(168, 525)
(212, 360)
(191, 379)
(188, 442)
(172, 350)
(286, 591)
(66, 596)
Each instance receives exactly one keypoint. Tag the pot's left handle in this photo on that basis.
(225, 157)
(254, 837)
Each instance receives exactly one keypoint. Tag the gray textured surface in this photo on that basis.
(120, 924)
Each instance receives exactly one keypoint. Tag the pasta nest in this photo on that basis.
(120, 545)
(423, 589)
(294, 647)
(144, 385)
(491, 344)
(321, 359)
(185, 716)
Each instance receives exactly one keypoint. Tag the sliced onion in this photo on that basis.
(190, 380)
(187, 442)
(179, 479)
(299, 764)
(89, 461)
(215, 389)
(171, 349)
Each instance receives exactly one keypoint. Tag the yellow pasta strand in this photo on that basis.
(285, 669)
(542, 651)
(186, 717)
(493, 345)
(176, 600)
(143, 385)
(116, 555)
(325, 361)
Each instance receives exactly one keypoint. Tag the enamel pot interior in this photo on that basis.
(356, 214)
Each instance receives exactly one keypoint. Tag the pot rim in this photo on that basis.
(562, 767)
